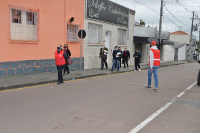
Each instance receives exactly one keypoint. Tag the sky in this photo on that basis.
(177, 14)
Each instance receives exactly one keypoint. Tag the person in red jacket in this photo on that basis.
(154, 63)
(60, 59)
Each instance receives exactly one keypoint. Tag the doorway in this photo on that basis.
(176, 55)
(107, 43)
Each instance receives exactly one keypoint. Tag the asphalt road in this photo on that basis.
(117, 103)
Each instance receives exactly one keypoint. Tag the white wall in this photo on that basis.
(145, 53)
(91, 51)
(182, 53)
(180, 38)
(144, 31)
(168, 53)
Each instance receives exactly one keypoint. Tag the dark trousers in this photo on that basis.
(103, 60)
(125, 62)
(66, 68)
(60, 76)
(137, 63)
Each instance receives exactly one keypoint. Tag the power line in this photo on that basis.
(142, 3)
(146, 6)
(175, 17)
(152, 9)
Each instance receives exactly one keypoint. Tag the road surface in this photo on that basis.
(116, 103)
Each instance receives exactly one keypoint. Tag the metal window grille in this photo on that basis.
(94, 33)
(24, 24)
(121, 36)
(72, 32)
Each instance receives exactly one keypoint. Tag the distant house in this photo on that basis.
(181, 45)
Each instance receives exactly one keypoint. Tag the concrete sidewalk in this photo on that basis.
(17, 81)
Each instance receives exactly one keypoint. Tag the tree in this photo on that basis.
(142, 22)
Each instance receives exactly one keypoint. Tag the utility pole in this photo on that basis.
(160, 24)
(189, 54)
(198, 45)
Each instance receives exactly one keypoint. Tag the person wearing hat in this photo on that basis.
(60, 59)
(154, 63)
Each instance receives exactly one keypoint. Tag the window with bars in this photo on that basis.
(72, 32)
(121, 36)
(24, 24)
(94, 33)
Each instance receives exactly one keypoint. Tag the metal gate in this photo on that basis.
(176, 55)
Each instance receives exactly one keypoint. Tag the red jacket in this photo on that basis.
(156, 54)
(59, 58)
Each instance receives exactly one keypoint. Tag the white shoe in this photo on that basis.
(135, 70)
(139, 69)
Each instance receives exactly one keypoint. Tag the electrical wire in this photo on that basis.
(175, 17)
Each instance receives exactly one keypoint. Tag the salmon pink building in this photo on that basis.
(31, 31)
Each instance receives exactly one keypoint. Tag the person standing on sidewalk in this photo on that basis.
(116, 57)
(126, 57)
(103, 55)
(60, 59)
(120, 56)
(67, 51)
(137, 56)
(154, 63)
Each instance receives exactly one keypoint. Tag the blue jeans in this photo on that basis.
(155, 73)
(114, 63)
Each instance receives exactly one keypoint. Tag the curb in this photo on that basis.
(68, 79)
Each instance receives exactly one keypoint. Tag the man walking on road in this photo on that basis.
(154, 63)
(137, 56)
(103, 55)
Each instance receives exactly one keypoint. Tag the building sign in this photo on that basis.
(107, 11)
(72, 32)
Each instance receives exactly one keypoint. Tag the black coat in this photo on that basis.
(138, 56)
(68, 53)
(114, 55)
(127, 54)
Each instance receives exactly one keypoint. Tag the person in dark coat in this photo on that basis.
(126, 57)
(137, 56)
(67, 51)
(103, 55)
(60, 59)
(120, 57)
(116, 57)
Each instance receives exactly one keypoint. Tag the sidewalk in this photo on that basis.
(17, 81)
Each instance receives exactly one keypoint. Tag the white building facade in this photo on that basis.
(143, 36)
(181, 45)
(110, 24)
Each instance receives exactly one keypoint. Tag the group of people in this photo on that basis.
(119, 57)
(61, 57)
(118, 54)
(195, 56)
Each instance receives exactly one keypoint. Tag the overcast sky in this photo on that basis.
(180, 13)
